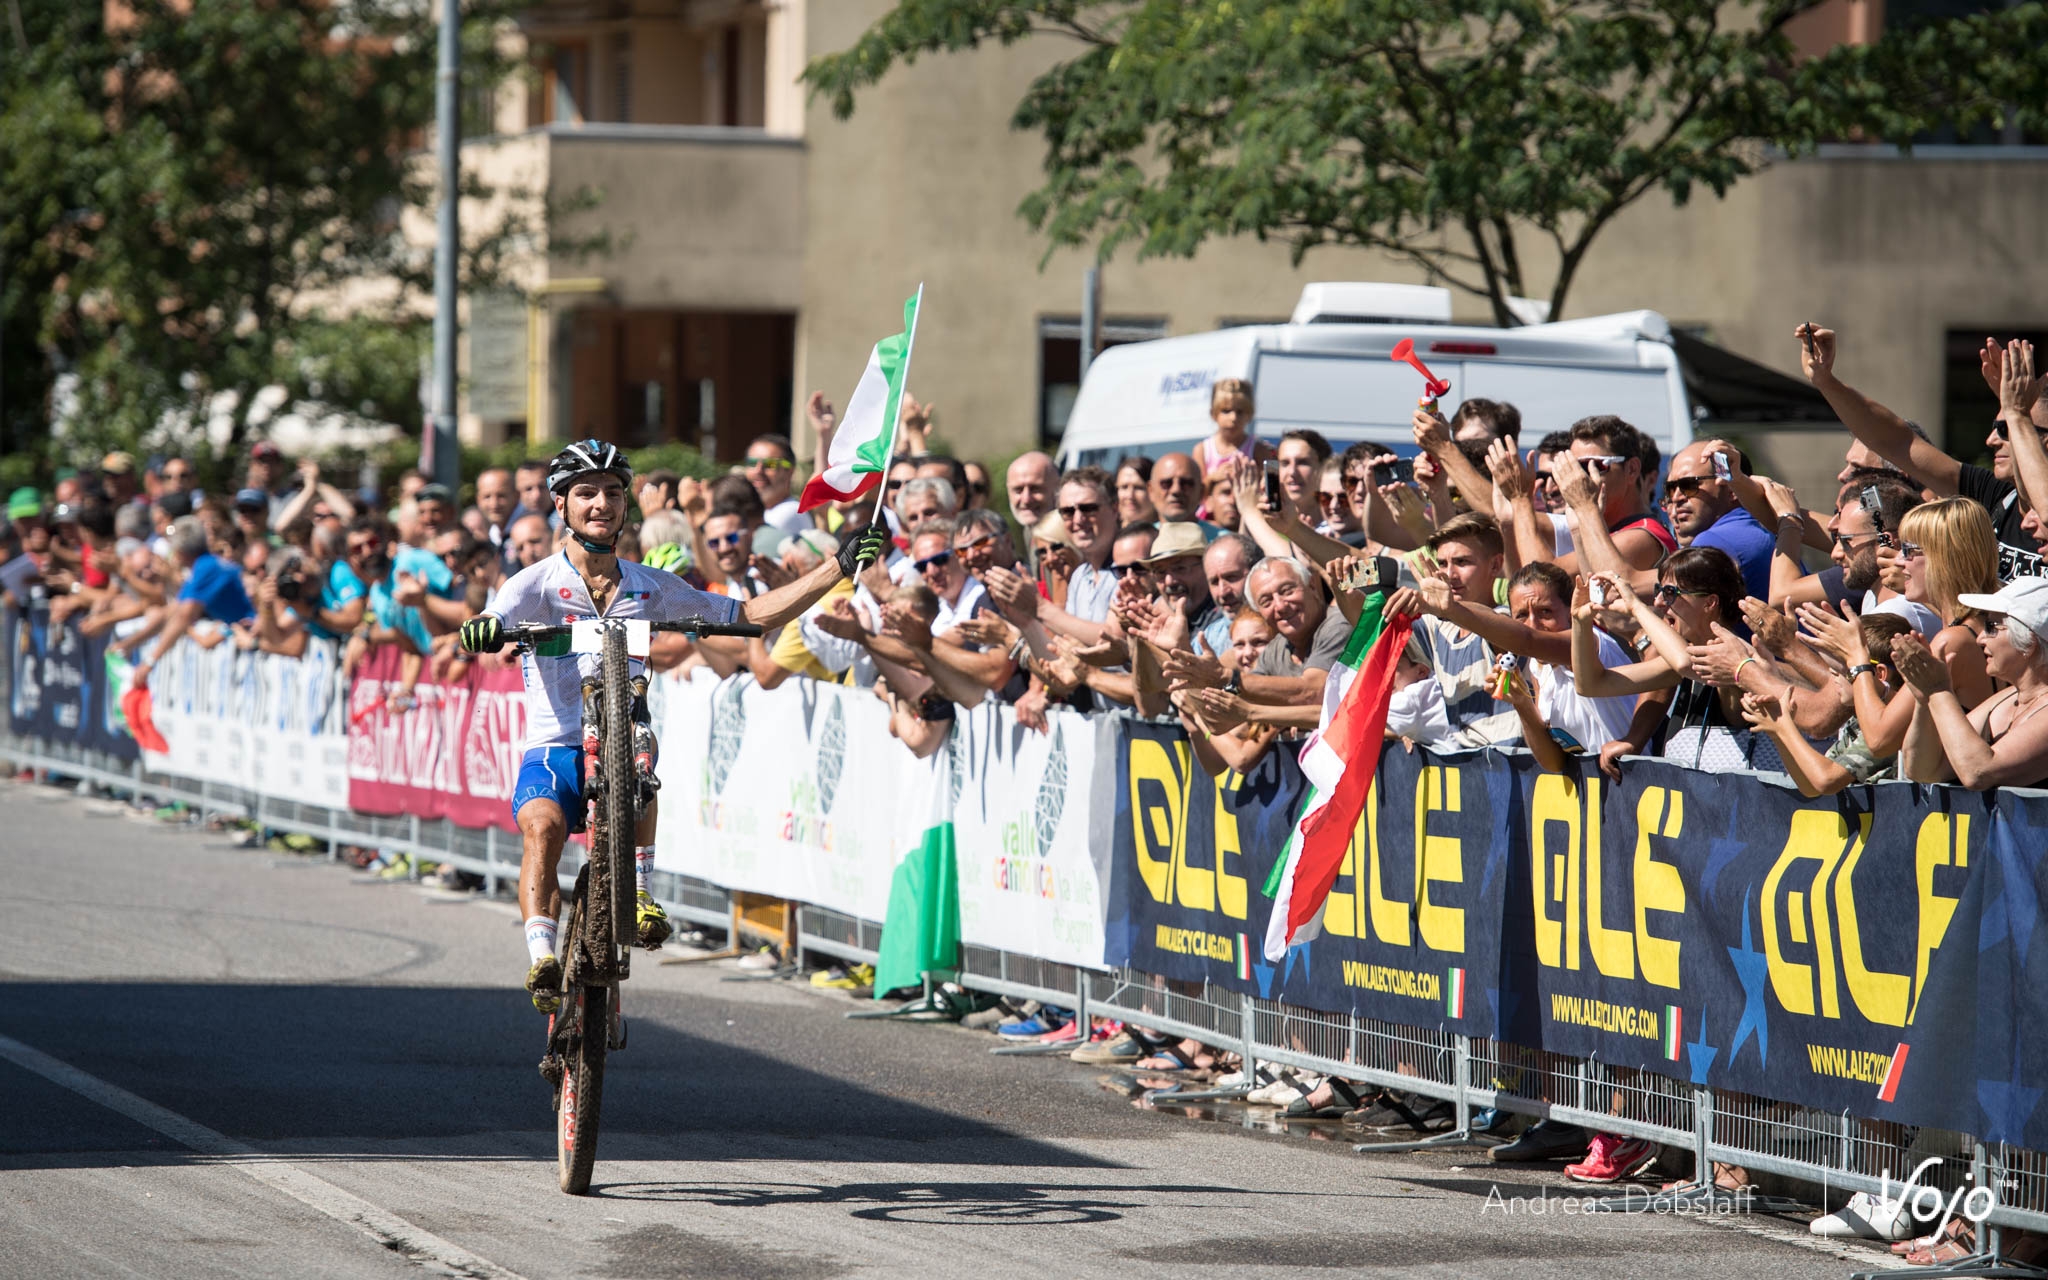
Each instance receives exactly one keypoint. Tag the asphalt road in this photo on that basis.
(218, 1062)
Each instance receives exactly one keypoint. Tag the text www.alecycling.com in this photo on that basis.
(1582, 1011)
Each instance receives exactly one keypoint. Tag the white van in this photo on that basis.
(1323, 371)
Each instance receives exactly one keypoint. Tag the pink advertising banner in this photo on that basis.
(454, 755)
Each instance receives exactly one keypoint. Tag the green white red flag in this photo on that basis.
(1338, 762)
(866, 438)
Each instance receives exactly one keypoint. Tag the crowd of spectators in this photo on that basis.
(1574, 595)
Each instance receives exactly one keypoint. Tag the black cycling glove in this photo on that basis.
(862, 549)
(482, 634)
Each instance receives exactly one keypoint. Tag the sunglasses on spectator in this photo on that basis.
(771, 464)
(978, 543)
(979, 488)
(1667, 591)
(1079, 509)
(1683, 484)
(1998, 430)
(1178, 482)
(364, 548)
(1602, 464)
(1910, 550)
(1138, 567)
(891, 486)
(724, 540)
(1847, 541)
(1327, 499)
(933, 562)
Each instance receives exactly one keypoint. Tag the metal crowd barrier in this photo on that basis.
(1841, 1153)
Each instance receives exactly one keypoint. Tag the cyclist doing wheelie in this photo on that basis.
(589, 481)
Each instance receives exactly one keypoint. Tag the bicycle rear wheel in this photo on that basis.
(582, 1092)
(621, 788)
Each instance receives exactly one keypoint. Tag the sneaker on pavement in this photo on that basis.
(1284, 1090)
(839, 978)
(1544, 1140)
(1038, 1024)
(1866, 1217)
(398, 868)
(763, 961)
(990, 1018)
(1102, 1052)
(652, 921)
(1611, 1158)
(544, 981)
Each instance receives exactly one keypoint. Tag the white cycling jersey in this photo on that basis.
(552, 593)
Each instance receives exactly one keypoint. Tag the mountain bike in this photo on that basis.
(618, 780)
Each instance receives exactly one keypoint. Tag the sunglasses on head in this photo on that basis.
(934, 561)
(1078, 509)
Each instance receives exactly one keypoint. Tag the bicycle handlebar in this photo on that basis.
(534, 633)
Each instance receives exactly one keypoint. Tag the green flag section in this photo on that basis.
(866, 437)
(1338, 762)
(922, 931)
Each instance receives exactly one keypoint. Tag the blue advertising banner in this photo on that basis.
(1872, 952)
(58, 685)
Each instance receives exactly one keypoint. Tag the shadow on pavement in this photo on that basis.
(326, 1070)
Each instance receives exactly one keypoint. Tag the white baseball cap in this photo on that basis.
(2025, 600)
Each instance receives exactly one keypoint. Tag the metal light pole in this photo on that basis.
(1091, 322)
(446, 454)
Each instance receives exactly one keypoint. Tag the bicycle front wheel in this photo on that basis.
(582, 1090)
(621, 789)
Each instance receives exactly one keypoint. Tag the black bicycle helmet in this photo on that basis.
(584, 457)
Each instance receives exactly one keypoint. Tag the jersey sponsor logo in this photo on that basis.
(565, 593)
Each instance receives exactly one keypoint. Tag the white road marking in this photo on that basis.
(429, 1251)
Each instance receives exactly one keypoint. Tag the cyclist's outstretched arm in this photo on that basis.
(785, 603)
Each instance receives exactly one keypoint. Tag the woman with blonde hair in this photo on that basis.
(1230, 408)
(1946, 550)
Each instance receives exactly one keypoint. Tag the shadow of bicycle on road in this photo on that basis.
(986, 1204)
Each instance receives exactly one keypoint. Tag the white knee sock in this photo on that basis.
(540, 936)
(643, 865)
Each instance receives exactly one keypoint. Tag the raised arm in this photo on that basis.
(1885, 432)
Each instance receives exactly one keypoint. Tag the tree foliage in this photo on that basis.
(1487, 141)
(189, 193)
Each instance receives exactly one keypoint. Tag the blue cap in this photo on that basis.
(252, 498)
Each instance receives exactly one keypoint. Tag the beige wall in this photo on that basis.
(699, 223)
(924, 181)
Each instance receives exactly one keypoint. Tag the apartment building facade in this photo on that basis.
(757, 246)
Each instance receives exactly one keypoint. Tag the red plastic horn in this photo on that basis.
(1404, 351)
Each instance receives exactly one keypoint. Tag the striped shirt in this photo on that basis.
(1463, 665)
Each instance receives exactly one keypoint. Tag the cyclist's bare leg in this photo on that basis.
(643, 831)
(542, 829)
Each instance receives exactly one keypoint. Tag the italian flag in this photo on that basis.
(921, 932)
(1338, 761)
(1674, 1031)
(867, 434)
(1454, 993)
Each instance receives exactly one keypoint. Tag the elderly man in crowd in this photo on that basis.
(1032, 483)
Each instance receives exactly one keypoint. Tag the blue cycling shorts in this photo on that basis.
(552, 773)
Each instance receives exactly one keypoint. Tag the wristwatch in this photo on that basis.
(1235, 684)
(1860, 668)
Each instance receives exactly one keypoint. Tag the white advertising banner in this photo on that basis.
(254, 720)
(801, 793)
(791, 792)
(1020, 827)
